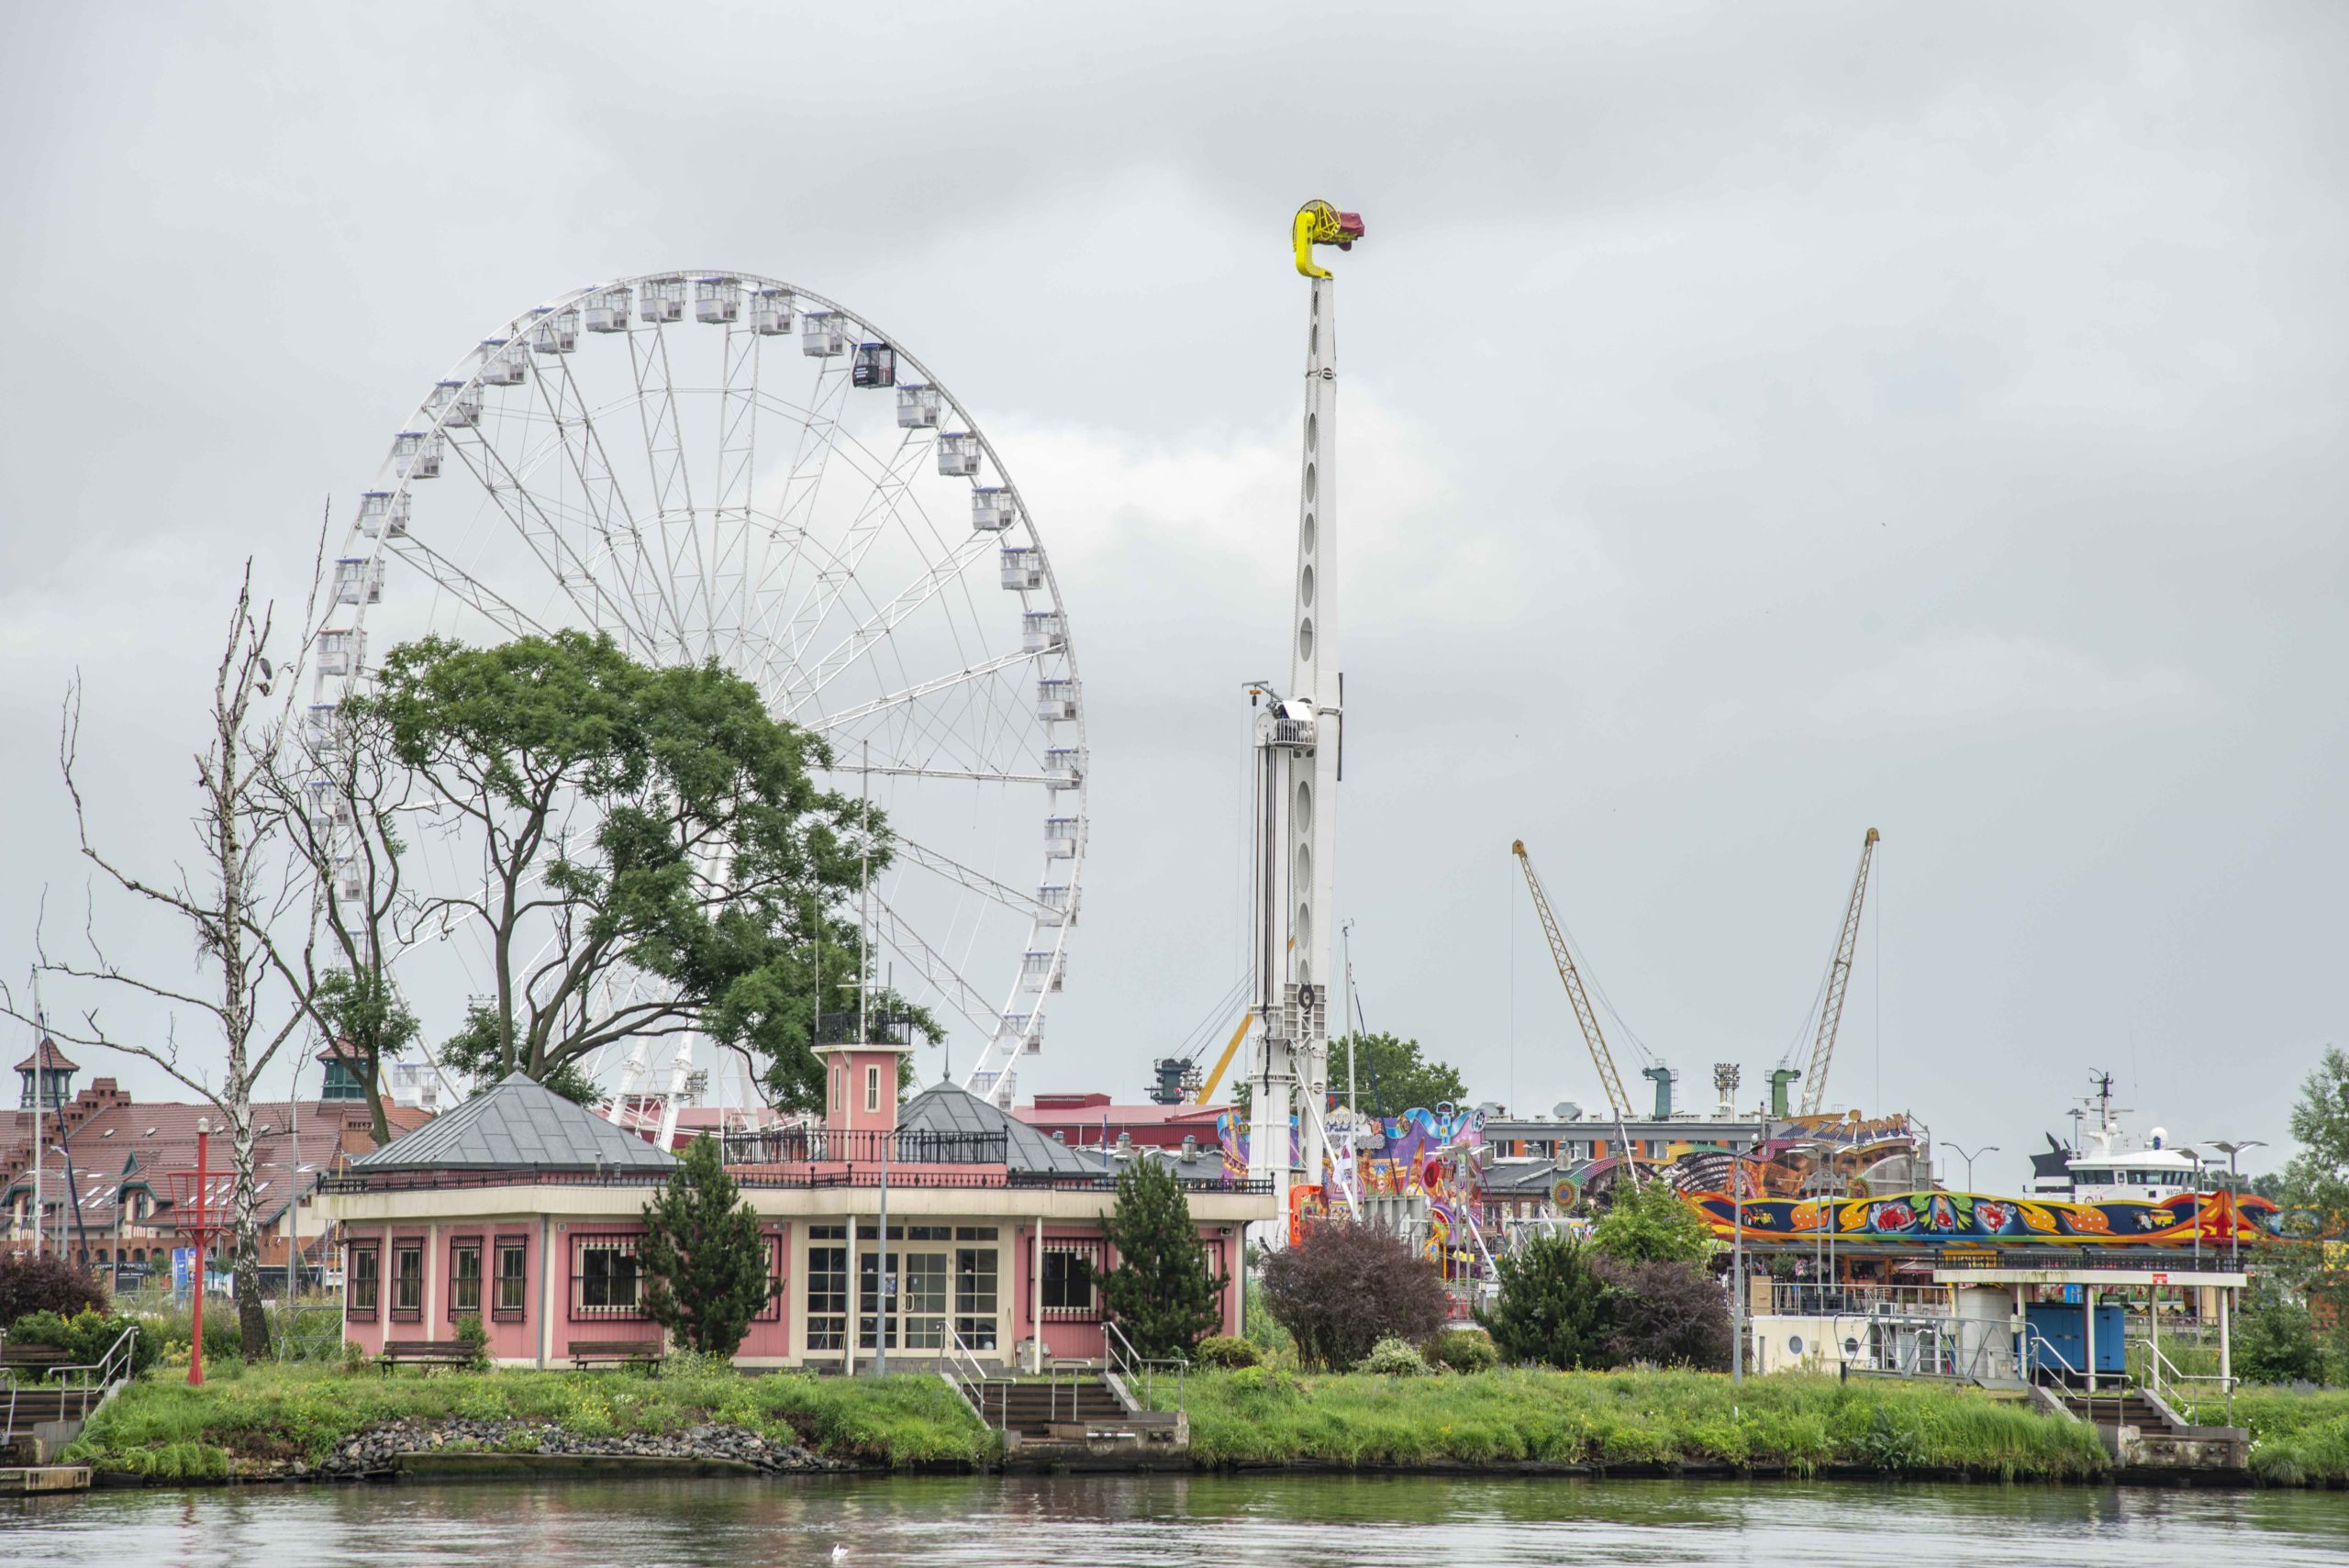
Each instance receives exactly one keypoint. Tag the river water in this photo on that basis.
(1172, 1522)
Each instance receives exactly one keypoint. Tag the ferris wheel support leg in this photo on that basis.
(680, 1074)
(632, 1071)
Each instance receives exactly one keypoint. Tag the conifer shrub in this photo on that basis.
(703, 1261)
(1161, 1294)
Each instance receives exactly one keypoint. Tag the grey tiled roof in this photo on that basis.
(946, 1107)
(518, 1124)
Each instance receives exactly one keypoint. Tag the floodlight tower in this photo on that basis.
(1298, 753)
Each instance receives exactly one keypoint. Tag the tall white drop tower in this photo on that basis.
(1297, 750)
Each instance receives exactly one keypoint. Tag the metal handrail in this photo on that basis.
(118, 1352)
(974, 1377)
(1124, 1366)
(2155, 1361)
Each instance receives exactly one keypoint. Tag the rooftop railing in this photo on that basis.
(823, 1146)
(808, 1178)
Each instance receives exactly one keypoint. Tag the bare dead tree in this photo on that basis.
(251, 909)
(337, 805)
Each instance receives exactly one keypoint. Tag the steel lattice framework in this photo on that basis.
(717, 465)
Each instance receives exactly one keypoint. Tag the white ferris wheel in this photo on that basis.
(717, 465)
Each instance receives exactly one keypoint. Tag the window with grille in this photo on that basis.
(513, 1277)
(773, 1311)
(407, 1280)
(975, 1295)
(361, 1292)
(826, 1296)
(1067, 1272)
(465, 1277)
(603, 1280)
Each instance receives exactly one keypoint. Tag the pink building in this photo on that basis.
(524, 1210)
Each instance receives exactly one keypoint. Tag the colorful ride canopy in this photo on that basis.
(1933, 1218)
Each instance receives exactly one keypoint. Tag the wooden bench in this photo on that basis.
(29, 1363)
(585, 1353)
(424, 1353)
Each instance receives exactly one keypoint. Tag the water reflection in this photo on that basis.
(1170, 1522)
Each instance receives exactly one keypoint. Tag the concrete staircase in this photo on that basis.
(36, 1421)
(2141, 1431)
(1075, 1419)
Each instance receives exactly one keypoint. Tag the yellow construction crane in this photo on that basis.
(1230, 1049)
(1839, 976)
(1601, 1058)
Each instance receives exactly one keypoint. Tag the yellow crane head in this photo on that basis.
(1318, 223)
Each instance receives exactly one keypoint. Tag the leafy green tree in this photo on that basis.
(633, 824)
(2317, 1179)
(1390, 1076)
(704, 1262)
(1161, 1293)
(2277, 1341)
(368, 1025)
(1651, 1223)
(473, 1052)
(1555, 1307)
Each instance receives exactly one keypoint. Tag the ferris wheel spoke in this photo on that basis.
(507, 616)
(891, 616)
(737, 439)
(803, 487)
(899, 936)
(540, 530)
(963, 776)
(878, 510)
(665, 455)
(1027, 905)
(827, 722)
(599, 482)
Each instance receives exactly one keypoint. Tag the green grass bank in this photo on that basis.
(256, 1416)
(1803, 1425)
(256, 1419)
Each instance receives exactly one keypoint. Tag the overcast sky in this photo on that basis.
(1758, 423)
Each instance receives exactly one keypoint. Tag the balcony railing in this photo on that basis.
(975, 1177)
(876, 1027)
(821, 1146)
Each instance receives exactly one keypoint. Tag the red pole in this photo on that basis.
(196, 1346)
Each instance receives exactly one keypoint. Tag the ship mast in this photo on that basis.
(1298, 752)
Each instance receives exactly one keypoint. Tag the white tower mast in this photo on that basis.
(1298, 747)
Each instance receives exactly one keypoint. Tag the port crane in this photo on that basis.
(1838, 977)
(1610, 1081)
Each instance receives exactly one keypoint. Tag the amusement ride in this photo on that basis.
(715, 465)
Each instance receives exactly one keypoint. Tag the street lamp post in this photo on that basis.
(1737, 1265)
(1959, 1150)
(203, 1239)
(2234, 1195)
